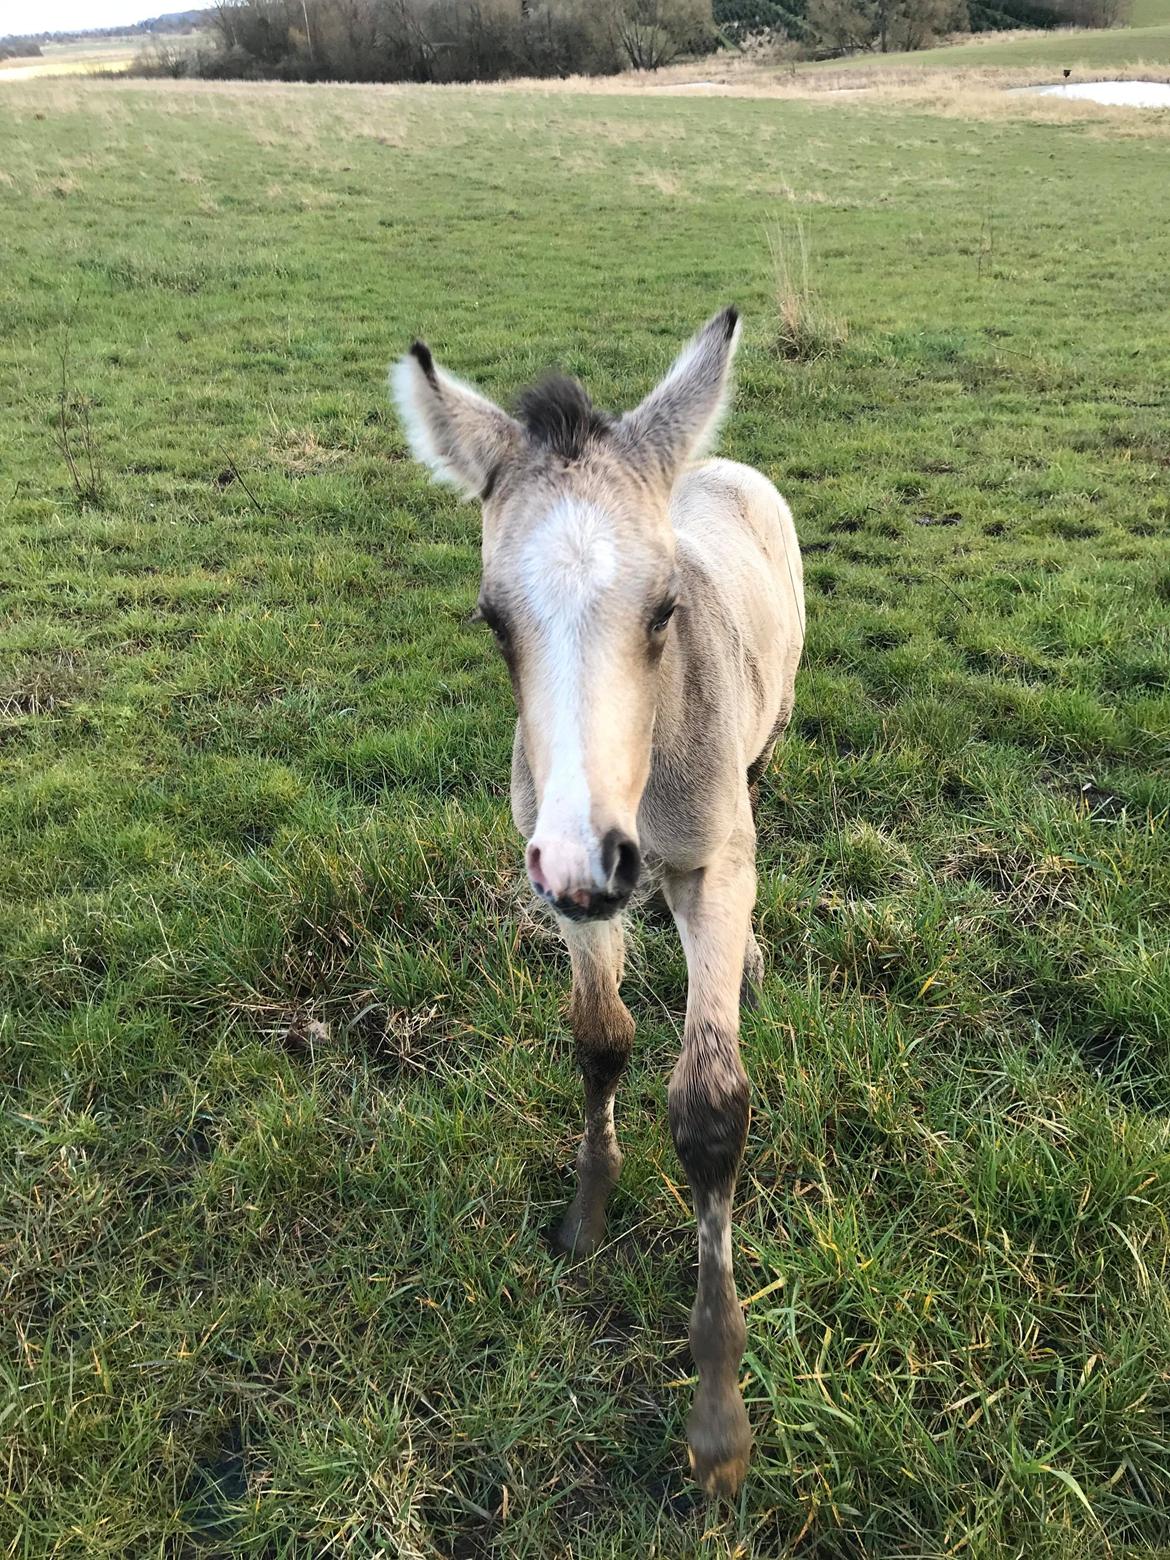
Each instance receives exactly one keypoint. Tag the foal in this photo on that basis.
(650, 613)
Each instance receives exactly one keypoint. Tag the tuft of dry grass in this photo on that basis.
(300, 452)
(806, 330)
(663, 181)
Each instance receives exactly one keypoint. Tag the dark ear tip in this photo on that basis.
(421, 353)
(730, 319)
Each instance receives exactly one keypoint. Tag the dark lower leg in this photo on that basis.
(709, 1117)
(603, 1032)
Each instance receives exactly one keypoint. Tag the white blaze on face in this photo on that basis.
(568, 563)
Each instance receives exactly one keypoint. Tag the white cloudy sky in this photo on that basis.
(27, 16)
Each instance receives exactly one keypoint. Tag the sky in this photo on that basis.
(29, 16)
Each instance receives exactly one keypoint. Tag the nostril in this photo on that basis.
(621, 861)
(534, 871)
(629, 864)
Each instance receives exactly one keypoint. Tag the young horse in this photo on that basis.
(650, 613)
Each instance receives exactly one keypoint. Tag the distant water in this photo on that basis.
(1120, 94)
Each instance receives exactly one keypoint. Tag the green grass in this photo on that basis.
(1149, 13)
(289, 1097)
(1082, 50)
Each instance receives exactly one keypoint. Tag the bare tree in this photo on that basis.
(450, 40)
(850, 26)
(651, 33)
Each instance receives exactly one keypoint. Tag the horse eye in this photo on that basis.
(664, 615)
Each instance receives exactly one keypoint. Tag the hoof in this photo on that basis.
(719, 1442)
(578, 1237)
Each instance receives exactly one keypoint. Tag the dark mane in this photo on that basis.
(559, 416)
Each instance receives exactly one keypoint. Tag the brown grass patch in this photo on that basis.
(972, 92)
(663, 181)
(317, 200)
(42, 685)
(300, 452)
(1034, 885)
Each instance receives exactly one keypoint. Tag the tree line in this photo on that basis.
(440, 40)
(491, 40)
(824, 28)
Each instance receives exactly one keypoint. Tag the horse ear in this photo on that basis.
(679, 419)
(461, 435)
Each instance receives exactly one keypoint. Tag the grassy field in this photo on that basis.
(85, 57)
(1084, 50)
(1144, 42)
(289, 1100)
(1149, 13)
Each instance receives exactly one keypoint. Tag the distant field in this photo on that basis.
(86, 57)
(1079, 49)
(289, 1098)
(1149, 13)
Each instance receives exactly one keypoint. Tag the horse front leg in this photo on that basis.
(603, 1035)
(709, 1112)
